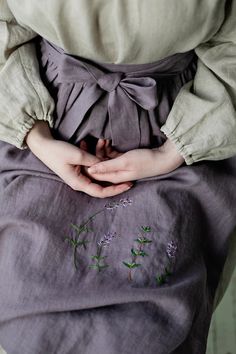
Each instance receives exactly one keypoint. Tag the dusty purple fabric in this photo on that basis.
(135, 273)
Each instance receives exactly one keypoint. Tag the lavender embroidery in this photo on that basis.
(136, 252)
(106, 239)
(171, 249)
(124, 202)
(103, 243)
(76, 242)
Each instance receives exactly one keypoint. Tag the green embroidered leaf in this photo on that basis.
(94, 266)
(167, 272)
(126, 264)
(161, 279)
(142, 253)
(131, 265)
(81, 228)
(76, 227)
(146, 228)
(82, 242)
(98, 266)
(72, 241)
(135, 265)
(103, 266)
(68, 239)
(98, 257)
(143, 240)
(136, 252)
(85, 229)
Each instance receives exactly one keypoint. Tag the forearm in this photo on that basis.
(169, 153)
(38, 134)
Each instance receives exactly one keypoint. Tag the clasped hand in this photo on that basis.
(108, 172)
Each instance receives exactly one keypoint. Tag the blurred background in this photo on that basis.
(222, 335)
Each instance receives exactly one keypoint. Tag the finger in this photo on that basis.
(110, 151)
(81, 157)
(109, 178)
(116, 164)
(96, 190)
(114, 177)
(83, 145)
(84, 184)
(100, 152)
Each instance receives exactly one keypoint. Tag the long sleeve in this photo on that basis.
(202, 121)
(23, 96)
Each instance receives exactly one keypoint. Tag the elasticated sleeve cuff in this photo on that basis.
(202, 120)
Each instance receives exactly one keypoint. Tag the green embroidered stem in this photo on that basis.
(75, 261)
(92, 216)
(98, 259)
(142, 241)
(76, 242)
(162, 278)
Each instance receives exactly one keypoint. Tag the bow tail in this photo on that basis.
(123, 120)
(74, 117)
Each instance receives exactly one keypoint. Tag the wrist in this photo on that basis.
(169, 150)
(38, 134)
(168, 157)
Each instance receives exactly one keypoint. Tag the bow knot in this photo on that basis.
(110, 81)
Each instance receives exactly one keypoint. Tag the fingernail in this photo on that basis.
(92, 169)
(129, 186)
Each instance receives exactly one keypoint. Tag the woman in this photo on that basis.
(117, 174)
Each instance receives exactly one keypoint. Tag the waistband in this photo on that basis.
(168, 66)
(127, 85)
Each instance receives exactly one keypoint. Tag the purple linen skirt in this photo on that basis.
(134, 273)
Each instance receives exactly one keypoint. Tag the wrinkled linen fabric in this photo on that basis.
(128, 274)
(202, 121)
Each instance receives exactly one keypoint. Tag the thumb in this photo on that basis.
(107, 166)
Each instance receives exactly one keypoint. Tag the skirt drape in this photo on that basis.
(134, 273)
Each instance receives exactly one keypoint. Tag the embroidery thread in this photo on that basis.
(137, 252)
(103, 243)
(171, 250)
(76, 242)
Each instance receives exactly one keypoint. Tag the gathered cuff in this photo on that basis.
(26, 127)
(181, 148)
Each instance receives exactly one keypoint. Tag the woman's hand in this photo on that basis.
(138, 163)
(67, 161)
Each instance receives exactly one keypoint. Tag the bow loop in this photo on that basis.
(142, 90)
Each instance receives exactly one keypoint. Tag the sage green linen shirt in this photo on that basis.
(202, 121)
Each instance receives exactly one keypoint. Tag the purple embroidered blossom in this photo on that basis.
(111, 206)
(124, 202)
(171, 249)
(106, 239)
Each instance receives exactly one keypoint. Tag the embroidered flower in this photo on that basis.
(106, 239)
(124, 202)
(171, 249)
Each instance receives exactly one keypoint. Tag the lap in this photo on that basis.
(113, 263)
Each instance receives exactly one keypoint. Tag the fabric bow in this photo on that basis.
(125, 92)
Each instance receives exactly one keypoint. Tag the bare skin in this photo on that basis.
(108, 172)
